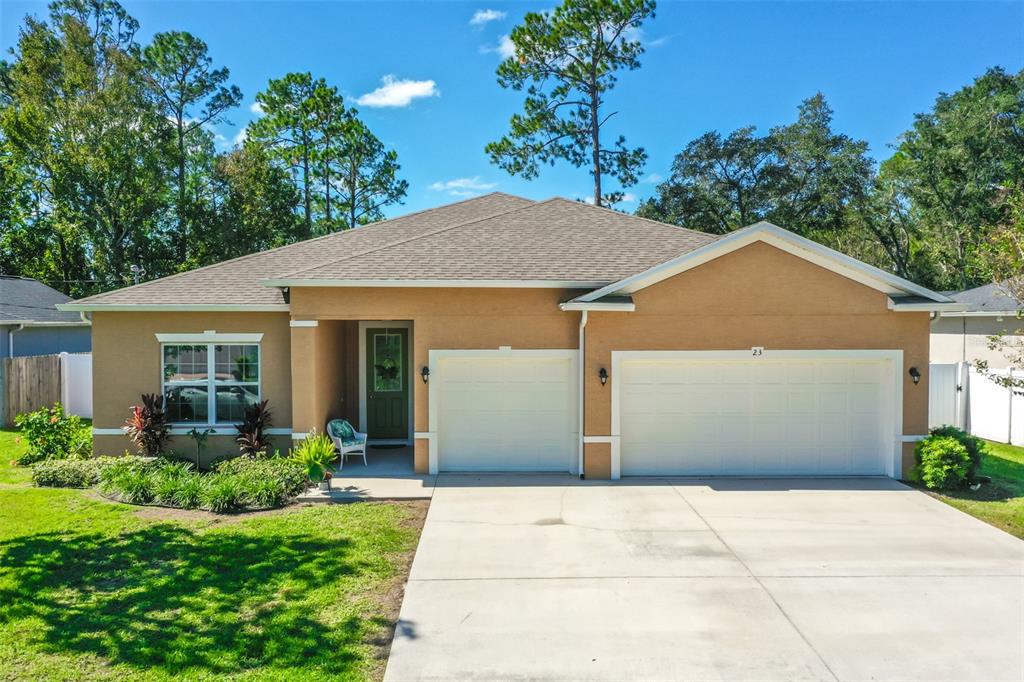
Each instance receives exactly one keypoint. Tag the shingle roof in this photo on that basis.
(26, 300)
(990, 297)
(493, 237)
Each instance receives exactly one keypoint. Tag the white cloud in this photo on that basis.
(256, 108)
(464, 187)
(485, 16)
(627, 198)
(398, 93)
(239, 139)
(651, 179)
(505, 48)
(637, 34)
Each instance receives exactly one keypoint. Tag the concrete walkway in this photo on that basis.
(520, 577)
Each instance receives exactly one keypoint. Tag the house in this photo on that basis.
(485, 332)
(963, 336)
(30, 324)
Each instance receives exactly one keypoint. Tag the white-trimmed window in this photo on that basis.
(210, 383)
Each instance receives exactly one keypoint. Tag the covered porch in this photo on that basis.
(360, 371)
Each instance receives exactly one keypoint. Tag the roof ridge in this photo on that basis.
(406, 240)
(287, 246)
(638, 217)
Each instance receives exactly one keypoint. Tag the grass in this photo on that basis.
(1001, 502)
(94, 590)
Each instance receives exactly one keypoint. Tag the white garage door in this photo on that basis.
(755, 416)
(506, 412)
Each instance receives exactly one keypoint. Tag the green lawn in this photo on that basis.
(1000, 502)
(91, 589)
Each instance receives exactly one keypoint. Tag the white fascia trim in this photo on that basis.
(209, 337)
(174, 307)
(598, 307)
(33, 323)
(984, 313)
(437, 283)
(222, 430)
(304, 323)
(945, 308)
(785, 240)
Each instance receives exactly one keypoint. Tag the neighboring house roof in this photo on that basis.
(990, 299)
(29, 302)
(494, 240)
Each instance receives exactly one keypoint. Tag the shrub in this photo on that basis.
(190, 489)
(70, 473)
(167, 479)
(65, 473)
(53, 434)
(943, 463)
(251, 439)
(315, 454)
(974, 445)
(288, 474)
(221, 492)
(147, 427)
(128, 479)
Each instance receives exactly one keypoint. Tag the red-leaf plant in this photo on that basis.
(147, 427)
(251, 439)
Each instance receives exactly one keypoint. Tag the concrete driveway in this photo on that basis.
(520, 577)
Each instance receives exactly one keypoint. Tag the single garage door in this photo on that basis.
(506, 411)
(755, 416)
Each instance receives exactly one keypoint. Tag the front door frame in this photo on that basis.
(393, 324)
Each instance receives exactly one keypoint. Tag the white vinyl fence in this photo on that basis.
(961, 396)
(76, 383)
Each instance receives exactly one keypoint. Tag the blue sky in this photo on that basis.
(709, 65)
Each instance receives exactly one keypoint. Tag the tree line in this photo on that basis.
(109, 156)
(945, 210)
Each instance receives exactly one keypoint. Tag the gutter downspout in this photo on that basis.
(582, 363)
(10, 340)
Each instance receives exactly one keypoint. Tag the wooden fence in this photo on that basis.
(29, 383)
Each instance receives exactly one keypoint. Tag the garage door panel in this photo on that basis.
(754, 416)
(506, 413)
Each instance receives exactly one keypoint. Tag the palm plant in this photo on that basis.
(315, 453)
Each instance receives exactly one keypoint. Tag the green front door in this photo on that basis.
(387, 383)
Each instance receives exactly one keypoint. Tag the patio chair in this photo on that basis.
(347, 440)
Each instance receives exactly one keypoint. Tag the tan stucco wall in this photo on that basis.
(127, 363)
(597, 461)
(323, 375)
(448, 319)
(757, 296)
(966, 339)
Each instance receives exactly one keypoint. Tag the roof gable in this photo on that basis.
(785, 240)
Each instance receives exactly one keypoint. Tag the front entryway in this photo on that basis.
(387, 383)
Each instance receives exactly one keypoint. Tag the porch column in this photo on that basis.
(305, 411)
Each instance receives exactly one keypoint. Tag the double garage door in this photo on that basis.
(785, 415)
(755, 416)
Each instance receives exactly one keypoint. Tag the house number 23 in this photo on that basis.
(757, 351)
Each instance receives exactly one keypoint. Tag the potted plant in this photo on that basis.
(316, 453)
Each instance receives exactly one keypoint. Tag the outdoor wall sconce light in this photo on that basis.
(915, 374)
(425, 373)
(602, 374)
